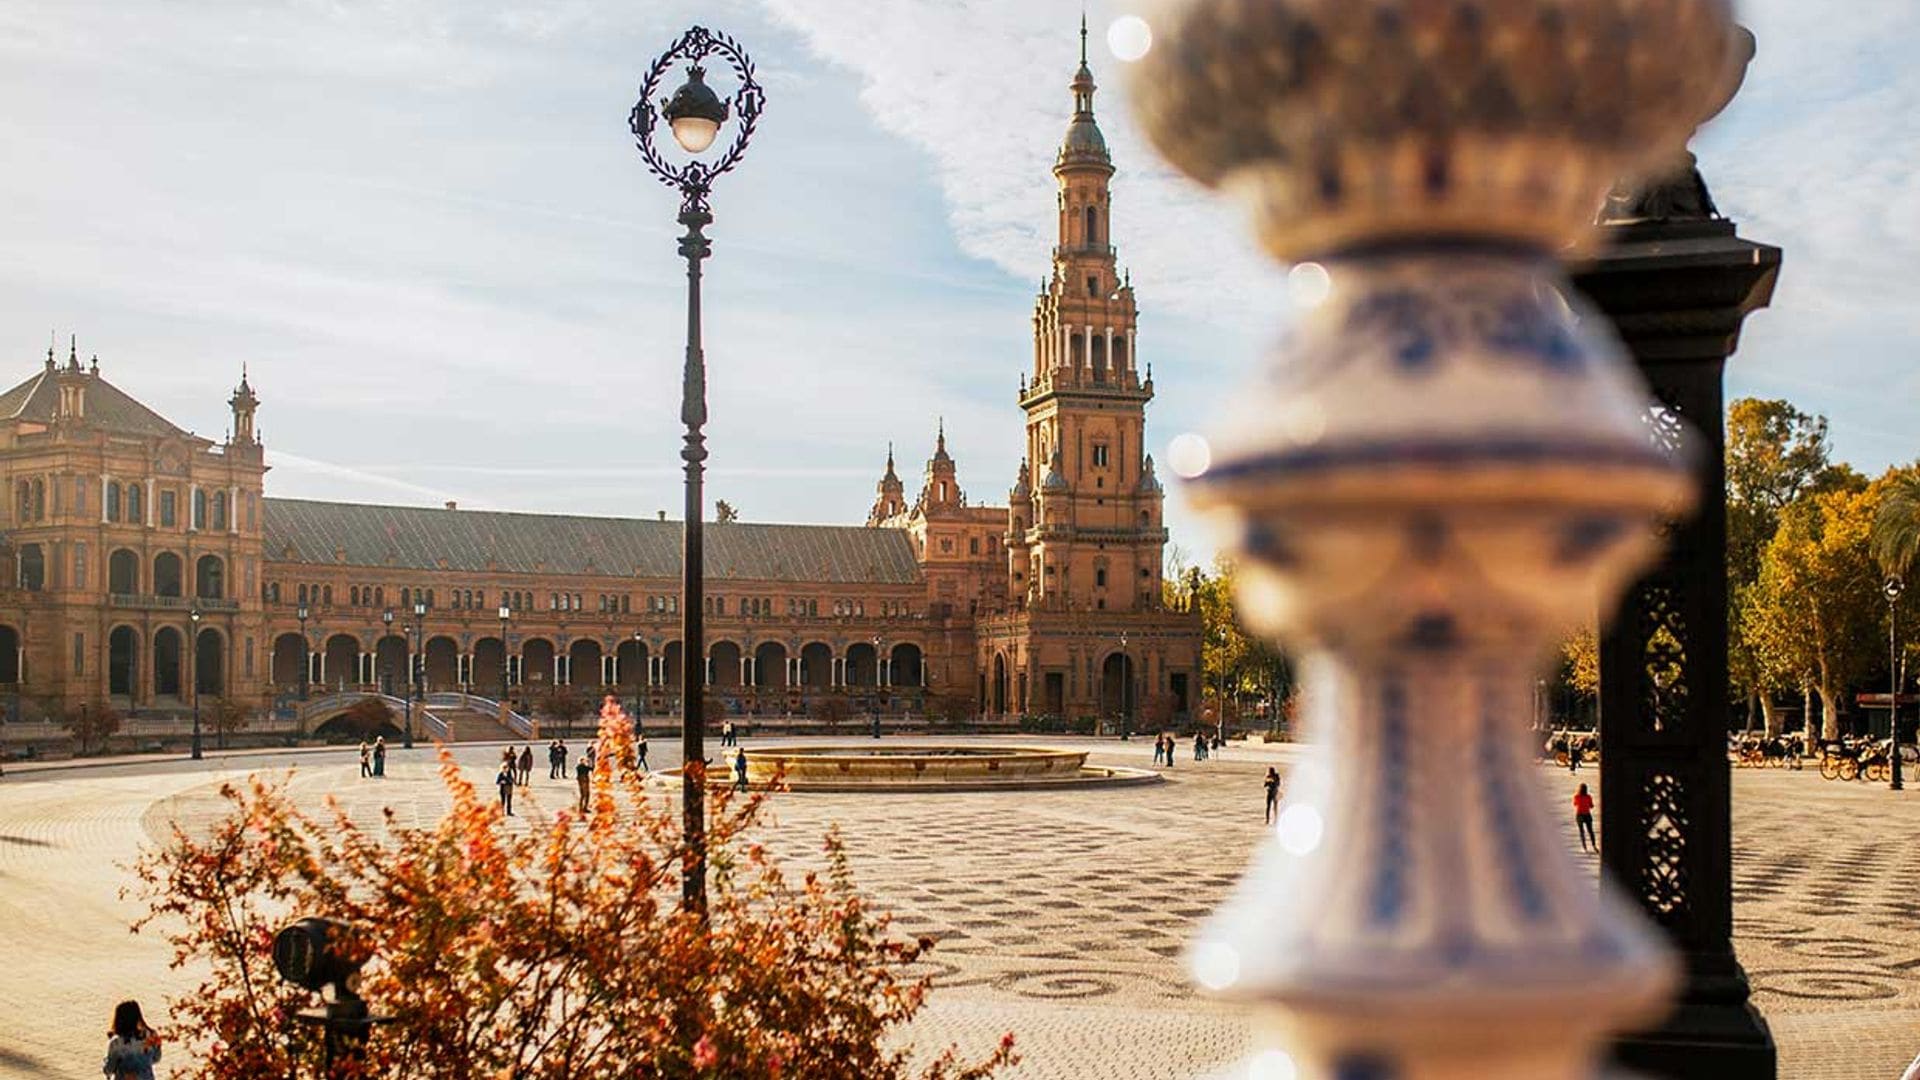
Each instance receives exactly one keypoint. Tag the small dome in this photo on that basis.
(1022, 491)
(1084, 141)
(1054, 481)
(1149, 482)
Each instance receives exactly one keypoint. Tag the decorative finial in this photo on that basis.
(52, 336)
(1083, 36)
(73, 352)
(95, 367)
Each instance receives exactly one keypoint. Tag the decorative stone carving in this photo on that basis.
(1445, 463)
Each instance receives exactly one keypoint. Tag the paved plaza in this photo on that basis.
(1061, 915)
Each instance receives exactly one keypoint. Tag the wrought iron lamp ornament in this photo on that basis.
(695, 113)
(1893, 588)
(1446, 462)
(193, 621)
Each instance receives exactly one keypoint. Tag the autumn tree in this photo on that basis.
(1814, 613)
(1896, 524)
(227, 717)
(549, 952)
(565, 705)
(368, 717)
(91, 725)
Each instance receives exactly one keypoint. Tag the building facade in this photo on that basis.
(146, 567)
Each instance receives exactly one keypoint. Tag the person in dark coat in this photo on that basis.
(380, 756)
(583, 775)
(504, 781)
(1273, 793)
(526, 766)
(740, 770)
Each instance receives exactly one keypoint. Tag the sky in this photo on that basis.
(422, 227)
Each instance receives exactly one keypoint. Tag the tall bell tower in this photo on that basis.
(1095, 534)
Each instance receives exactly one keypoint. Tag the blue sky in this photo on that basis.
(422, 225)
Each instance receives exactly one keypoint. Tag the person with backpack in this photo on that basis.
(132, 1047)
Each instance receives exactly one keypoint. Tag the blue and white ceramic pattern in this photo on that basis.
(1445, 466)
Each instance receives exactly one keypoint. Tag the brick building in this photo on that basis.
(146, 566)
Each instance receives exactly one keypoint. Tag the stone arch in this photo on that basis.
(630, 657)
(339, 661)
(536, 662)
(210, 663)
(390, 665)
(998, 702)
(123, 572)
(770, 665)
(489, 666)
(862, 665)
(583, 663)
(168, 650)
(674, 658)
(289, 653)
(816, 665)
(210, 577)
(9, 655)
(906, 665)
(169, 577)
(441, 660)
(123, 660)
(1118, 688)
(724, 665)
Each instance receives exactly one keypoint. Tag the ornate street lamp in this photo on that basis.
(306, 651)
(505, 614)
(1447, 461)
(386, 674)
(193, 676)
(1893, 588)
(419, 622)
(876, 686)
(695, 114)
(1126, 690)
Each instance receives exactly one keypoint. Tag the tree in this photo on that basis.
(1896, 526)
(564, 705)
(954, 708)
(227, 717)
(91, 726)
(539, 954)
(724, 513)
(831, 710)
(1231, 659)
(1581, 654)
(1814, 615)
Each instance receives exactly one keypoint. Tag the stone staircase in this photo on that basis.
(473, 725)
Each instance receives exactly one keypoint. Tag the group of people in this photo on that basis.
(1165, 745)
(516, 768)
(373, 757)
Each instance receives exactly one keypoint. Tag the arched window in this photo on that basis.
(25, 512)
(353, 596)
(210, 578)
(199, 518)
(326, 596)
(379, 596)
(1093, 227)
(136, 505)
(303, 594)
(406, 599)
(33, 568)
(220, 511)
(113, 500)
(39, 500)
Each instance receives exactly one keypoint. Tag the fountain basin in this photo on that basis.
(921, 768)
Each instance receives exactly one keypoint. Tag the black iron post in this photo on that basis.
(193, 675)
(414, 658)
(1126, 691)
(386, 672)
(1678, 283)
(876, 686)
(695, 115)
(1894, 588)
(506, 660)
(306, 651)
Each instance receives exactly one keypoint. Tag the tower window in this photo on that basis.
(1100, 455)
(1100, 577)
(1093, 286)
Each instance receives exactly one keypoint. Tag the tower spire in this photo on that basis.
(1083, 36)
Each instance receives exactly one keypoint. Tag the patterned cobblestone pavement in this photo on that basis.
(1061, 915)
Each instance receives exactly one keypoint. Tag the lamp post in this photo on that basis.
(193, 675)
(505, 614)
(876, 686)
(306, 652)
(638, 684)
(694, 114)
(419, 622)
(1126, 691)
(386, 673)
(1893, 588)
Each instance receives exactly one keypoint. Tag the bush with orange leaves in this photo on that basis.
(554, 953)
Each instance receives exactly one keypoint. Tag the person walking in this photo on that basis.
(1574, 753)
(1273, 794)
(366, 760)
(553, 760)
(727, 737)
(132, 1047)
(739, 770)
(640, 752)
(1583, 819)
(1200, 746)
(504, 780)
(526, 766)
(1171, 746)
(583, 775)
(560, 751)
(380, 756)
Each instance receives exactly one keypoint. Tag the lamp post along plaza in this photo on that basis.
(1126, 692)
(1447, 461)
(306, 651)
(1893, 588)
(505, 661)
(876, 686)
(695, 115)
(415, 659)
(193, 675)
